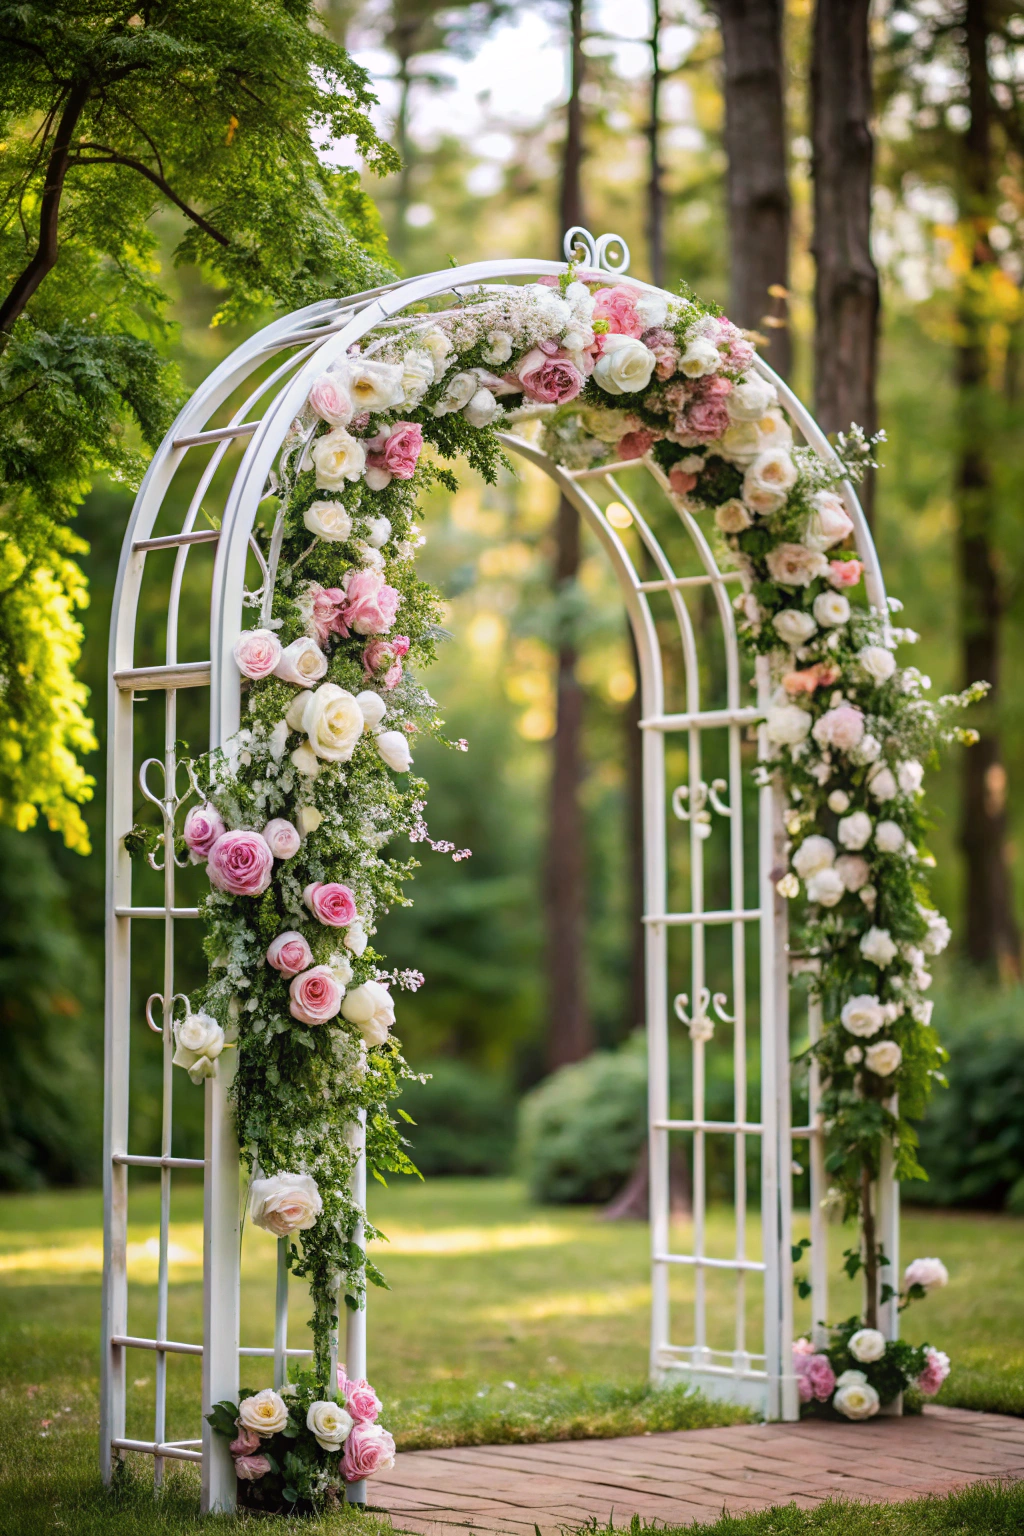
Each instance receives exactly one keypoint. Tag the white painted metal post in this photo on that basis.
(355, 1323)
(221, 1240)
(281, 1316)
(819, 1187)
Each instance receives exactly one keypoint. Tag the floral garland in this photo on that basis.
(301, 805)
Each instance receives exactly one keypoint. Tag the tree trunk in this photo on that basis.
(846, 298)
(632, 1203)
(655, 173)
(993, 937)
(757, 183)
(569, 1033)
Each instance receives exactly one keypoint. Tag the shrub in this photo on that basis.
(465, 1120)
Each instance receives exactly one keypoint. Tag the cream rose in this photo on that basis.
(813, 854)
(826, 887)
(786, 725)
(356, 938)
(302, 663)
(330, 1423)
(328, 520)
(863, 1014)
(878, 662)
(829, 522)
(744, 440)
(372, 707)
(877, 946)
(931, 1274)
(481, 409)
(438, 345)
(854, 831)
(751, 398)
(889, 837)
(768, 479)
(910, 777)
(867, 1345)
(831, 609)
(372, 386)
(882, 783)
(794, 626)
(855, 1399)
(371, 1009)
(337, 457)
(794, 565)
(393, 747)
(854, 871)
(732, 516)
(331, 719)
(625, 365)
(458, 391)
(285, 1203)
(883, 1058)
(198, 1041)
(265, 1413)
(701, 357)
(417, 376)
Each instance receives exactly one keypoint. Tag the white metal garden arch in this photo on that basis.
(260, 388)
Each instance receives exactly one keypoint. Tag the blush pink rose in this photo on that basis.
(707, 419)
(331, 400)
(289, 953)
(381, 654)
(551, 380)
(325, 604)
(249, 1469)
(246, 1441)
(368, 1449)
(282, 838)
(315, 995)
(400, 452)
(241, 864)
(361, 1400)
(934, 1374)
(331, 903)
(618, 306)
(257, 652)
(814, 1374)
(662, 344)
(681, 480)
(842, 727)
(733, 345)
(845, 573)
(370, 604)
(633, 445)
(203, 825)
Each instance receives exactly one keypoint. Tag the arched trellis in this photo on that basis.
(262, 386)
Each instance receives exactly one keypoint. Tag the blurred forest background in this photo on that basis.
(512, 122)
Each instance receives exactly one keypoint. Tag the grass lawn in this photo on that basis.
(505, 1321)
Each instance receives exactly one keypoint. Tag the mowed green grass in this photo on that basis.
(505, 1321)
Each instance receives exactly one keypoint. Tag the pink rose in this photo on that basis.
(633, 445)
(935, 1372)
(842, 727)
(249, 1469)
(315, 995)
(203, 825)
(618, 306)
(370, 604)
(681, 480)
(386, 653)
(400, 451)
(662, 344)
(707, 419)
(330, 903)
(551, 380)
(844, 573)
(241, 864)
(257, 652)
(245, 1443)
(814, 1373)
(289, 953)
(282, 838)
(361, 1400)
(368, 1449)
(324, 604)
(733, 345)
(331, 401)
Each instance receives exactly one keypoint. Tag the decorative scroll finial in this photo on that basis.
(579, 244)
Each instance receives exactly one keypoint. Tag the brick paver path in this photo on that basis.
(695, 1474)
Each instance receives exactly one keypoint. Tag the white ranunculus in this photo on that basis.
(932, 1274)
(910, 776)
(393, 747)
(832, 609)
(877, 946)
(307, 819)
(373, 386)
(867, 1345)
(889, 837)
(882, 783)
(826, 887)
(856, 1400)
(378, 531)
(732, 516)
(373, 707)
(701, 357)
(331, 719)
(768, 480)
(854, 870)
(863, 1015)
(371, 1009)
(330, 1423)
(787, 724)
(751, 398)
(813, 854)
(938, 935)
(829, 522)
(839, 802)
(285, 1203)
(794, 626)
(625, 365)
(337, 457)
(302, 663)
(458, 391)
(854, 831)
(264, 1413)
(355, 938)
(328, 520)
(883, 1057)
(417, 376)
(198, 1041)
(877, 661)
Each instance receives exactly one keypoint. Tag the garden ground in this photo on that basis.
(506, 1322)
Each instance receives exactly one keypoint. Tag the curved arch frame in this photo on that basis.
(310, 340)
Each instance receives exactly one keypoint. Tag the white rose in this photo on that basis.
(371, 1009)
(751, 398)
(307, 819)
(328, 520)
(302, 663)
(701, 357)
(838, 801)
(877, 946)
(877, 662)
(377, 479)
(498, 348)
(825, 887)
(337, 457)
(625, 365)
(417, 375)
(331, 719)
(883, 1058)
(458, 391)
(744, 440)
(277, 741)
(768, 479)
(481, 409)
(888, 837)
(867, 750)
(285, 1203)
(651, 308)
(813, 854)
(378, 531)
(355, 938)
(373, 707)
(932, 1274)
(882, 783)
(305, 761)
(921, 1010)
(787, 724)
(794, 565)
(854, 831)
(198, 1041)
(854, 871)
(265, 1413)
(732, 516)
(330, 1423)
(831, 609)
(938, 935)
(282, 838)
(794, 626)
(856, 1400)
(373, 386)
(341, 966)
(867, 1345)
(854, 1056)
(437, 344)
(863, 1015)
(851, 1378)
(910, 776)
(829, 522)
(393, 747)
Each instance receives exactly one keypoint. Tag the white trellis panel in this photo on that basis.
(278, 365)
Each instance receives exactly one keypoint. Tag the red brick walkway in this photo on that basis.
(693, 1475)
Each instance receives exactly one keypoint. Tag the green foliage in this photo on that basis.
(111, 114)
(461, 1120)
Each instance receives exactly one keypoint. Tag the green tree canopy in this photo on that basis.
(111, 113)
